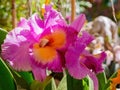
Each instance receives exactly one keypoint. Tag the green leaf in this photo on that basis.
(20, 81)
(54, 85)
(107, 85)
(6, 78)
(51, 85)
(36, 85)
(63, 84)
(91, 86)
(102, 80)
(74, 84)
(27, 76)
(3, 34)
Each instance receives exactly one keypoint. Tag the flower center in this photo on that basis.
(46, 50)
(55, 40)
(43, 42)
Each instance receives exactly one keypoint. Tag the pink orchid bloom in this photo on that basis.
(81, 63)
(38, 44)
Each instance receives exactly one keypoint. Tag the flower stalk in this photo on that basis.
(73, 10)
(13, 14)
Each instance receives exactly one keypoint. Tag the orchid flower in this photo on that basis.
(115, 81)
(81, 63)
(38, 44)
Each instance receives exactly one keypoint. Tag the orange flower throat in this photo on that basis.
(45, 51)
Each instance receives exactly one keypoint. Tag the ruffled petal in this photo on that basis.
(78, 22)
(93, 62)
(52, 17)
(36, 24)
(17, 55)
(16, 47)
(38, 72)
(56, 64)
(15, 50)
(23, 23)
(73, 65)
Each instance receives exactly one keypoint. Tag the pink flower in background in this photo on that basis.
(36, 44)
(81, 63)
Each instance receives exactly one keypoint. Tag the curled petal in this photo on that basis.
(73, 65)
(95, 80)
(78, 22)
(101, 57)
(93, 62)
(75, 50)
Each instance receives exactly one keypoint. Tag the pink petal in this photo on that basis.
(95, 80)
(71, 34)
(52, 17)
(23, 23)
(92, 62)
(38, 72)
(86, 38)
(73, 65)
(102, 57)
(18, 42)
(56, 64)
(15, 50)
(78, 22)
(17, 55)
(36, 24)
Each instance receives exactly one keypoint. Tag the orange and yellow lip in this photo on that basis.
(46, 50)
(115, 81)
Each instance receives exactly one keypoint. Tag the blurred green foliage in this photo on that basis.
(6, 10)
(5, 17)
(91, 9)
(21, 10)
